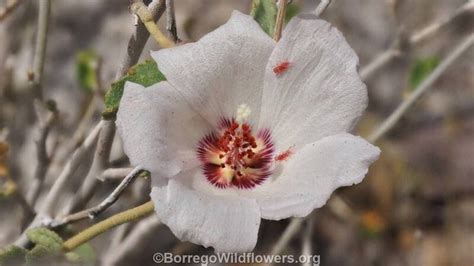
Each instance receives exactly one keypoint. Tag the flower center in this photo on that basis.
(233, 156)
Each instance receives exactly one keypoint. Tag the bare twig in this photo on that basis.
(99, 164)
(139, 38)
(114, 173)
(280, 19)
(140, 9)
(117, 192)
(435, 27)
(322, 7)
(134, 50)
(8, 8)
(91, 108)
(101, 157)
(45, 212)
(137, 197)
(38, 66)
(106, 203)
(423, 87)
(171, 21)
(52, 197)
(46, 116)
(380, 61)
(40, 47)
(81, 130)
(28, 212)
(291, 230)
(416, 38)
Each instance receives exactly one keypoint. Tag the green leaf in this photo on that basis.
(422, 68)
(265, 12)
(12, 255)
(86, 66)
(37, 253)
(41, 255)
(291, 11)
(46, 238)
(145, 74)
(82, 254)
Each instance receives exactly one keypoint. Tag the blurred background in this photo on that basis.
(416, 206)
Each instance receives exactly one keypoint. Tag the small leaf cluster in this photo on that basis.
(47, 248)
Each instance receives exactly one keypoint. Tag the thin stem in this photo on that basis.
(121, 233)
(134, 49)
(38, 67)
(109, 223)
(99, 164)
(140, 9)
(435, 27)
(322, 7)
(101, 156)
(416, 38)
(280, 19)
(291, 230)
(105, 204)
(46, 118)
(52, 197)
(422, 88)
(28, 212)
(40, 47)
(378, 62)
(7, 9)
(91, 108)
(171, 21)
(139, 38)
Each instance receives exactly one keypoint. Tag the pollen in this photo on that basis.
(243, 112)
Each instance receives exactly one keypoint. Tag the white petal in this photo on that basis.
(307, 179)
(227, 223)
(159, 130)
(222, 70)
(321, 93)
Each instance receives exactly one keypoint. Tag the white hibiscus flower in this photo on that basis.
(247, 128)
